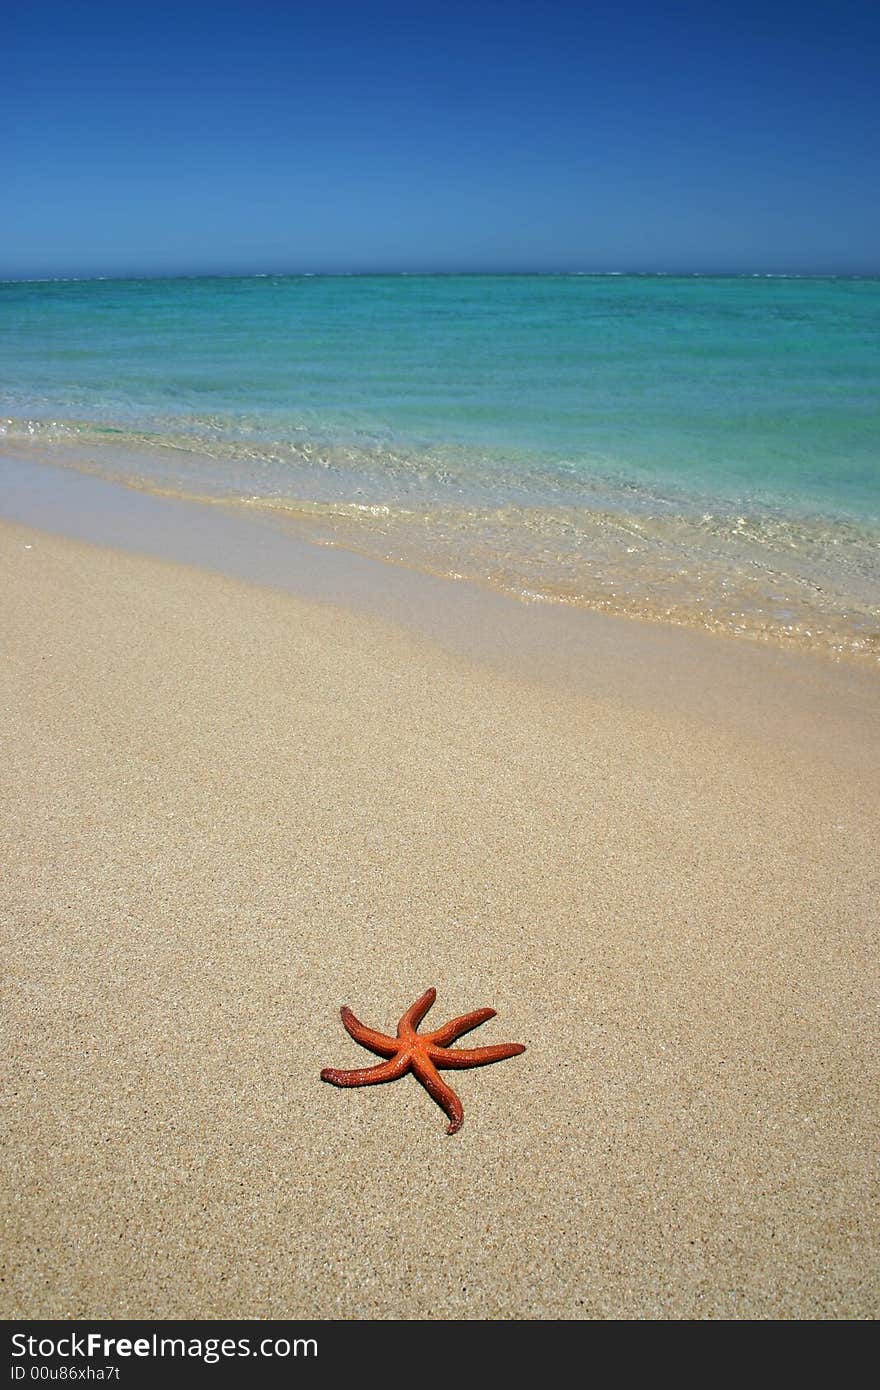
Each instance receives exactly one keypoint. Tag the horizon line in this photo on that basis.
(443, 274)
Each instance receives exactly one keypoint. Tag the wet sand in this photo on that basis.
(227, 810)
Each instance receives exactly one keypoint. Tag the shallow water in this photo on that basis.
(699, 450)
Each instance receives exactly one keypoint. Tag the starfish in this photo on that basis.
(421, 1053)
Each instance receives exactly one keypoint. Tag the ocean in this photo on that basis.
(698, 450)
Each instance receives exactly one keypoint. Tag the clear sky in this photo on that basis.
(161, 139)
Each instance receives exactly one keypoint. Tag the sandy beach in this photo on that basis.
(227, 811)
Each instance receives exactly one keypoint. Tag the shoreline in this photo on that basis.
(691, 572)
(229, 809)
(649, 665)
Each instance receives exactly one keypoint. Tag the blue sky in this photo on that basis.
(293, 136)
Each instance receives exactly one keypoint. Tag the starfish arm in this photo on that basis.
(368, 1076)
(438, 1089)
(442, 1037)
(367, 1037)
(415, 1013)
(473, 1056)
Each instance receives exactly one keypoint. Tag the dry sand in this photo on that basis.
(226, 812)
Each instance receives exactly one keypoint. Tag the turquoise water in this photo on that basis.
(696, 449)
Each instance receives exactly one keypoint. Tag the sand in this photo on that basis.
(227, 811)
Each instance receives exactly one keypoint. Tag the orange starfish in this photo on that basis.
(421, 1053)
